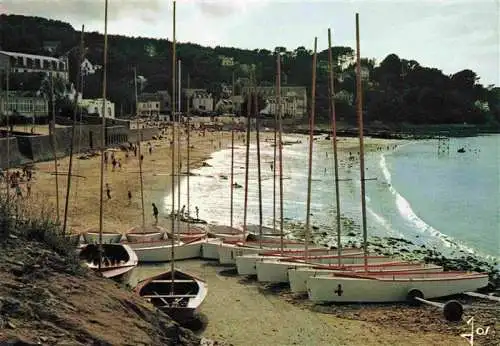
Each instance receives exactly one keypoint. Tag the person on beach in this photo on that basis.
(108, 191)
(155, 213)
(150, 148)
(197, 211)
(129, 195)
(19, 193)
(28, 189)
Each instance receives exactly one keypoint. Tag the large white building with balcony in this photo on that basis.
(27, 106)
(29, 63)
(293, 100)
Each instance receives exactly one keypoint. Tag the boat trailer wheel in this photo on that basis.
(412, 294)
(453, 311)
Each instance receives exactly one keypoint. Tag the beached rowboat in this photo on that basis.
(391, 287)
(117, 259)
(181, 304)
(297, 277)
(147, 234)
(91, 236)
(161, 251)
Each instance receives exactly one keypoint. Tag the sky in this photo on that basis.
(451, 35)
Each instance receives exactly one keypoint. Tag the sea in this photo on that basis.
(424, 191)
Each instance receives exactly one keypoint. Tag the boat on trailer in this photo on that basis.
(117, 259)
(297, 277)
(182, 302)
(276, 270)
(141, 234)
(246, 264)
(391, 287)
(91, 236)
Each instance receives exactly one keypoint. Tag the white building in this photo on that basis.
(293, 100)
(94, 106)
(26, 106)
(149, 108)
(29, 63)
(88, 68)
(201, 99)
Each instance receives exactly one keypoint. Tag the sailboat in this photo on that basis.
(174, 292)
(367, 286)
(111, 260)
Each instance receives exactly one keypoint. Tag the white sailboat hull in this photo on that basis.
(162, 251)
(386, 290)
(297, 277)
(276, 271)
(246, 264)
(210, 249)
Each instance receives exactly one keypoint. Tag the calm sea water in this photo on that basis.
(448, 201)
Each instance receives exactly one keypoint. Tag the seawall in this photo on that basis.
(25, 148)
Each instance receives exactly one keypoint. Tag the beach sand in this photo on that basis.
(119, 214)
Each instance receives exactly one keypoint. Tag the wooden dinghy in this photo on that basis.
(143, 235)
(117, 259)
(297, 276)
(181, 304)
(187, 232)
(247, 264)
(391, 287)
(91, 236)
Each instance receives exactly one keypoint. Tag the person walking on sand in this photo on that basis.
(129, 194)
(108, 191)
(155, 213)
(28, 189)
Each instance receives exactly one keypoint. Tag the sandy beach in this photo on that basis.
(119, 214)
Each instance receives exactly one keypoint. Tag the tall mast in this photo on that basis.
(179, 160)
(139, 138)
(54, 140)
(280, 140)
(232, 158)
(7, 107)
(259, 182)
(311, 143)
(174, 58)
(247, 155)
(103, 130)
(188, 144)
(334, 141)
(75, 108)
(359, 110)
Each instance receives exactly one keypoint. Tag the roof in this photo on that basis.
(32, 56)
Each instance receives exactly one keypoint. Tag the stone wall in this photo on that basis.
(146, 134)
(16, 159)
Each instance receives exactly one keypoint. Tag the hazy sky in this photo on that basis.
(451, 35)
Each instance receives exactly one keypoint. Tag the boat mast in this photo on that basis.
(247, 155)
(359, 110)
(52, 96)
(188, 152)
(311, 143)
(172, 264)
(331, 96)
(280, 140)
(275, 152)
(179, 159)
(139, 138)
(7, 107)
(75, 107)
(103, 130)
(232, 159)
(259, 178)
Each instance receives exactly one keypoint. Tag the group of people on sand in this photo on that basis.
(13, 179)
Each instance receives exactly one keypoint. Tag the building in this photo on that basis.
(27, 106)
(154, 104)
(201, 99)
(88, 68)
(94, 106)
(294, 99)
(29, 63)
